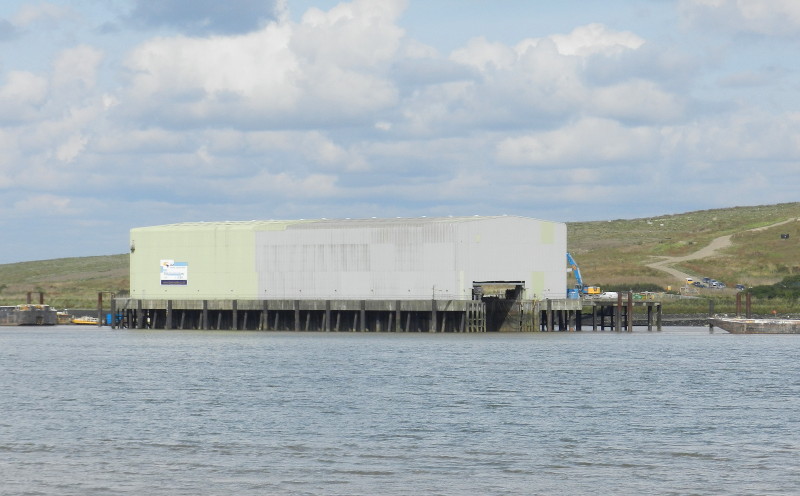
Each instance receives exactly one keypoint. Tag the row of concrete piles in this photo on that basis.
(490, 315)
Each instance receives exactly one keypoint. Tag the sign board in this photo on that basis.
(174, 273)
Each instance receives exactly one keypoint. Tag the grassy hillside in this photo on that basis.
(610, 253)
(66, 282)
(615, 252)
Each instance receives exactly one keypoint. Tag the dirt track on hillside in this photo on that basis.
(665, 265)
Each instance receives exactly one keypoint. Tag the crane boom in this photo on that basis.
(576, 271)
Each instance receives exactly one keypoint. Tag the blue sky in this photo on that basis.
(123, 113)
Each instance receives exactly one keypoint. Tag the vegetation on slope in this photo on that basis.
(787, 289)
(65, 282)
(614, 253)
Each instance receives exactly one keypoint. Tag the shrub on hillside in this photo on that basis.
(635, 288)
(788, 288)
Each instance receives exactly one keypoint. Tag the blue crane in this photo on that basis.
(575, 292)
(579, 288)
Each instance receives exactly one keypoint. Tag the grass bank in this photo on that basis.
(65, 282)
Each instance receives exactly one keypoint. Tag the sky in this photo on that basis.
(117, 114)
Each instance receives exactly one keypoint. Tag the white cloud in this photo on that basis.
(765, 17)
(361, 33)
(547, 79)
(204, 78)
(485, 55)
(45, 204)
(286, 185)
(71, 148)
(77, 65)
(588, 143)
(46, 12)
(21, 96)
(637, 100)
(748, 137)
(596, 39)
(330, 64)
(588, 40)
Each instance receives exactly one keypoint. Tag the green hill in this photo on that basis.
(66, 282)
(614, 253)
(610, 253)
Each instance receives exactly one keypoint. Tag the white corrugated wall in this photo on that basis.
(410, 258)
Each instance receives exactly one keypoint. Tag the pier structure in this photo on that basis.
(438, 274)
(486, 315)
(306, 315)
(613, 314)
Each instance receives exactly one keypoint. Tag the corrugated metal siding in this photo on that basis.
(419, 258)
(362, 259)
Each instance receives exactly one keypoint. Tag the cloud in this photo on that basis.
(541, 82)
(750, 136)
(77, 66)
(635, 100)
(763, 17)
(45, 204)
(22, 96)
(589, 143)
(204, 17)
(330, 66)
(596, 39)
(46, 13)
(185, 79)
(71, 148)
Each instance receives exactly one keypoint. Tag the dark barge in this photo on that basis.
(28, 315)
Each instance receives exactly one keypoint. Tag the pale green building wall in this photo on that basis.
(219, 257)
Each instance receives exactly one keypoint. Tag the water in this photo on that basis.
(101, 412)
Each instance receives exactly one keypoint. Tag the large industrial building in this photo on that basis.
(427, 274)
(374, 259)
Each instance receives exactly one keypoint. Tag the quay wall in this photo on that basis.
(487, 315)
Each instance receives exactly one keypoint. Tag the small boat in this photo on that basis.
(85, 320)
(741, 325)
(63, 317)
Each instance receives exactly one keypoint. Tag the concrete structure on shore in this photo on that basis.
(445, 274)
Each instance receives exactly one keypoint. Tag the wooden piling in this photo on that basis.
(168, 323)
(710, 314)
(327, 325)
(629, 311)
(738, 304)
(747, 305)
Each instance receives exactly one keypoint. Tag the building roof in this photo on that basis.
(282, 225)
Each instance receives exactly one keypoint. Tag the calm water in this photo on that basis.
(87, 411)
